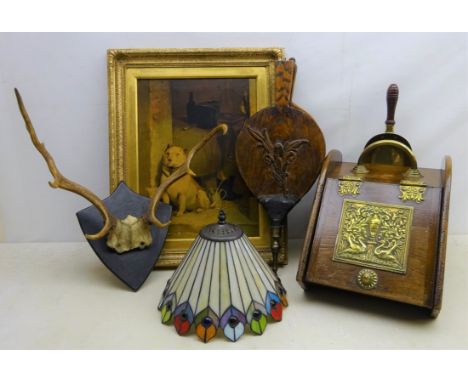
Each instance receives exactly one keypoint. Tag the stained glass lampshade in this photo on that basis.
(222, 284)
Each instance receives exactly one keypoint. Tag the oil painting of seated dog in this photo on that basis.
(185, 194)
(174, 115)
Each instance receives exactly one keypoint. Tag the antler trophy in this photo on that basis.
(126, 223)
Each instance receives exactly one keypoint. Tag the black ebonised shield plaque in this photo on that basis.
(132, 267)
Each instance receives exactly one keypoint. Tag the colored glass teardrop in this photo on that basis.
(181, 324)
(234, 333)
(271, 301)
(276, 310)
(258, 326)
(206, 333)
(284, 300)
(166, 314)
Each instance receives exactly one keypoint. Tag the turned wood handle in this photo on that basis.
(285, 72)
(392, 99)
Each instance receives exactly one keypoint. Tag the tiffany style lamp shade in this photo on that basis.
(222, 283)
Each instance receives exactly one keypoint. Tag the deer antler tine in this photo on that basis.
(181, 171)
(59, 181)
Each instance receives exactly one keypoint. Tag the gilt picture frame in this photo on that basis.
(161, 101)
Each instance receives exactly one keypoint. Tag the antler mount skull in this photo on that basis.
(126, 234)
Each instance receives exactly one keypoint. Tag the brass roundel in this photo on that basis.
(367, 279)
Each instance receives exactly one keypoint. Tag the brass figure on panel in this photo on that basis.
(374, 235)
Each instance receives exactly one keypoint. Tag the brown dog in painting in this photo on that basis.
(185, 193)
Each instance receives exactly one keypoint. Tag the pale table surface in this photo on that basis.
(59, 296)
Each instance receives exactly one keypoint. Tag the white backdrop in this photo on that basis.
(341, 81)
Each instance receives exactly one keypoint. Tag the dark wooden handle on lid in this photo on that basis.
(392, 99)
(285, 72)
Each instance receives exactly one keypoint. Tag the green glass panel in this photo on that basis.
(165, 314)
(258, 326)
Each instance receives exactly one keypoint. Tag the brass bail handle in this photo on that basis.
(392, 99)
(285, 74)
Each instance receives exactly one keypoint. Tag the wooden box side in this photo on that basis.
(444, 216)
(332, 160)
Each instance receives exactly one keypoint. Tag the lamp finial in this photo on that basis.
(221, 217)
